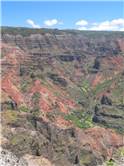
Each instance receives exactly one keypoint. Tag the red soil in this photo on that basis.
(101, 140)
(12, 90)
(98, 79)
(48, 98)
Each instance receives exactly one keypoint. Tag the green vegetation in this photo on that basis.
(110, 163)
(36, 73)
(9, 106)
(27, 31)
(2, 55)
(21, 143)
(23, 108)
(80, 119)
(9, 116)
(86, 157)
(102, 86)
(35, 100)
(35, 112)
(85, 86)
(118, 92)
(120, 152)
(25, 85)
(88, 97)
(18, 139)
(36, 97)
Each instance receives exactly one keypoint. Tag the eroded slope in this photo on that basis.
(61, 92)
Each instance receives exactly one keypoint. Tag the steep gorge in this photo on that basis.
(63, 95)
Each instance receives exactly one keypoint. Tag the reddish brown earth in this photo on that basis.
(102, 140)
(56, 71)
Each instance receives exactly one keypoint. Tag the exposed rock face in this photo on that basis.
(57, 80)
(70, 58)
(96, 64)
(62, 146)
(9, 159)
(110, 116)
(62, 41)
(105, 100)
(49, 74)
(37, 161)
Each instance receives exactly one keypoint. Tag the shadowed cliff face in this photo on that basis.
(63, 90)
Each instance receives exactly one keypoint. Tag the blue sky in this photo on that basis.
(64, 15)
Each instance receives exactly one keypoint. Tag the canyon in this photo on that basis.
(62, 96)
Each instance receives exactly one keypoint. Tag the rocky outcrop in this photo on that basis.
(70, 58)
(109, 116)
(57, 79)
(105, 100)
(7, 158)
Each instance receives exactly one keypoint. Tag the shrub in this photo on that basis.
(81, 121)
(35, 112)
(102, 86)
(9, 116)
(23, 108)
(24, 85)
(110, 163)
(36, 97)
(120, 152)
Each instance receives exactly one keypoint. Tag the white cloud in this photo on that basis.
(94, 23)
(122, 29)
(82, 28)
(119, 21)
(81, 23)
(52, 22)
(31, 22)
(104, 26)
(107, 25)
(112, 25)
